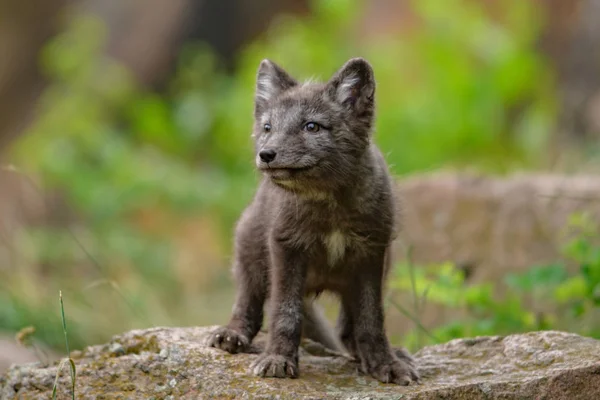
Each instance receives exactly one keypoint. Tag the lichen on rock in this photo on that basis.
(174, 363)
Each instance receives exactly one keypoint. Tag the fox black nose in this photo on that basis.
(267, 155)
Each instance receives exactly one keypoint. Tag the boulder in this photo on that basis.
(493, 224)
(490, 226)
(173, 363)
(11, 352)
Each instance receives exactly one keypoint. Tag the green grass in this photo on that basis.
(68, 359)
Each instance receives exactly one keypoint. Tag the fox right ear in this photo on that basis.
(271, 80)
(353, 86)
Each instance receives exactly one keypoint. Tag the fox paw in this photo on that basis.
(398, 371)
(229, 340)
(273, 365)
(404, 355)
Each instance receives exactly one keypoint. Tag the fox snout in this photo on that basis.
(269, 159)
(272, 156)
(267, 155)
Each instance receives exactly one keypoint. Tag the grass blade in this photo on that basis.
(72, 368)
(55, 386)
(64, 323)
(73, 377)
(414, 319)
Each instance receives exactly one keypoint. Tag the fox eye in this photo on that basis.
(267, 127)
(312, 127)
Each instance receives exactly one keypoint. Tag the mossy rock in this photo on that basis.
(173, 363)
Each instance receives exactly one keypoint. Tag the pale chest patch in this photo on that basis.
(335, 244)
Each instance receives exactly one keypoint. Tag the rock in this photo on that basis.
(11, 352)
(172, 363)
(495, 224)
(492, 226)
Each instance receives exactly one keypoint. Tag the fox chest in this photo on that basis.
(331, 239)
(331, 243)
(335, 245)
(334, 248)
(331, 258)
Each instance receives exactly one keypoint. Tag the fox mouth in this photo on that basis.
(285, 173)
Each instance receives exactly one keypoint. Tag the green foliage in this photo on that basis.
(563, 296)
(581, 293)
(464, 88)
(118, 157)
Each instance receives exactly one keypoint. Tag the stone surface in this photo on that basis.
(495, 224)
(172, 363)
(11, 353)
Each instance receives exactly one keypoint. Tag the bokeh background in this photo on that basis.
(126, 151)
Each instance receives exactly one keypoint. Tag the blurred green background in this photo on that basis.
(128, 126)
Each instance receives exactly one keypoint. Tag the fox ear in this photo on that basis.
(271, 80)
(353, 86)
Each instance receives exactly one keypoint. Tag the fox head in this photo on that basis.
(313, 136)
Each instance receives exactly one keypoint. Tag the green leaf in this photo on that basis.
(572, 289)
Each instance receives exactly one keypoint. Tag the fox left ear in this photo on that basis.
(353, 86)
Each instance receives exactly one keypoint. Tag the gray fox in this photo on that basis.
(323, 219)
